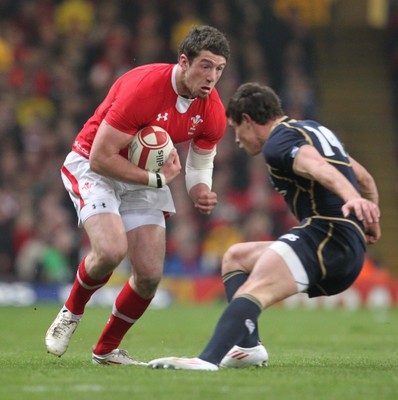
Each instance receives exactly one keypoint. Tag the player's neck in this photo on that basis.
(180, 86)
(276, 122)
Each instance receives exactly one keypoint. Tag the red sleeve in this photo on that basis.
(215, 127)
(127, 112)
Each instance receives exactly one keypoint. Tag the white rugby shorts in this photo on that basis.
(94, 194)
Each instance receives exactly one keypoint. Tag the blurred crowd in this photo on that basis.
(57, 61)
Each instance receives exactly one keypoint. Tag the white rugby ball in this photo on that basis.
(150, 148)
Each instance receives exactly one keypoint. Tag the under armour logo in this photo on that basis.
(163, 117)
(250, 326)
(94, 206)
(290, 236)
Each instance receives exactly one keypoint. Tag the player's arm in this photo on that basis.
(105, 158)
(367, 184)
(199, 178)
(368, 189)
(311, 165)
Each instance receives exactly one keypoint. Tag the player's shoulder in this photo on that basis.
(292, 123)
(149, 74)
(290, 128)
(214, 98)
(155, 69)
(213, 104)
(151, 81)
(286, 136)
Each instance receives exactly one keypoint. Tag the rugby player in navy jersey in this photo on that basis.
(334, 198)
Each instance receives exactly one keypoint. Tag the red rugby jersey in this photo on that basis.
(145, 96)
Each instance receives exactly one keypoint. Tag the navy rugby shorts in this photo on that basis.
(332, 251)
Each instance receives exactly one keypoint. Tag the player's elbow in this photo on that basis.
(95, 164)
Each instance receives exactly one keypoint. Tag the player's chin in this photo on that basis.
(202, 96)
(251, 151)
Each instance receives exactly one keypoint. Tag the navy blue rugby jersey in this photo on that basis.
(306, 198)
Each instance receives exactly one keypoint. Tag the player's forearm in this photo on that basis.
(367, 184)
(332, 179)
(369, 190)
(310, 164)
(119, 168)
(199, 168)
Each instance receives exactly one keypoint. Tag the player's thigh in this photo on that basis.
(107, 236)
(270, 280)
(243, 256)
(146, 250)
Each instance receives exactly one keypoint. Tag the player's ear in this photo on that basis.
(246, 118)
(183, 61)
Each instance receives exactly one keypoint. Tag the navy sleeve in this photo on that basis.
(282, 146)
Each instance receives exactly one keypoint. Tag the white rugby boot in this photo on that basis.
(115, 357)
(182, 363)
(59, 333)
(240, 357)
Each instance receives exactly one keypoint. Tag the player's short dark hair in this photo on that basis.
(204, 37)
(260, 102)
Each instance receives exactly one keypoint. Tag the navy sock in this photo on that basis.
(232, 282)
(238, 320)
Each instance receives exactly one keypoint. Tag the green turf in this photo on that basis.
(314, 354)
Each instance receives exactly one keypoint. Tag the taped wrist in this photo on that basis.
(199, 169)
(156, 180)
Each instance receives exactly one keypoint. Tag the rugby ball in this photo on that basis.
(150, 148)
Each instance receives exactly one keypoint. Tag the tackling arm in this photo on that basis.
(367, 184)
(311, 165)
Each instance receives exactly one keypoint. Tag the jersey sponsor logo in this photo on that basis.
(163, 117)
(196, 120)
(290, 236)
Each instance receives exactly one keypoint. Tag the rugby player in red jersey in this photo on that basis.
(121, 206)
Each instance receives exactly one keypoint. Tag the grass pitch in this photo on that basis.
(314, 354)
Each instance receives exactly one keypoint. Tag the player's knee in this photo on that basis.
(147, 285)
(109, 257)
(230, 260)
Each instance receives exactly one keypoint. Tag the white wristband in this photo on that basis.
(156, 179)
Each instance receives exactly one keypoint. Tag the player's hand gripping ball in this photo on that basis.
(150, 148)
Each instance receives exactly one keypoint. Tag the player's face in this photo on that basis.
(247, 136)
(200, 77)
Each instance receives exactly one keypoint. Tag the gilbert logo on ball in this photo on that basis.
(150, 148)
